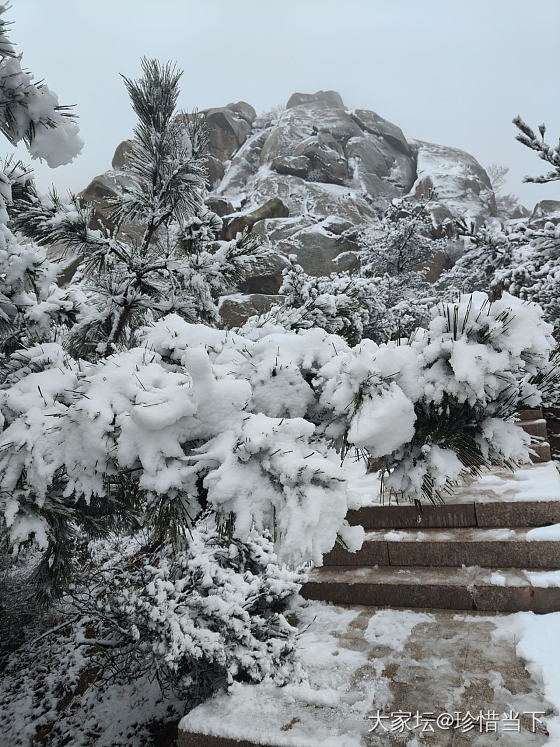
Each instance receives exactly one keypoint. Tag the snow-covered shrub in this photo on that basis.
(250, 426)
(349, 305)
(401, 242)
(521, 258)
(479, 362)
(197, 619)
(338, 303)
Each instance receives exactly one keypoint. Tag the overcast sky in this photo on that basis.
(453, 72)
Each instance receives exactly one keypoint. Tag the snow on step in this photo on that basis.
(537, 482)
(466, 588)
(514, 548)
(483, 514)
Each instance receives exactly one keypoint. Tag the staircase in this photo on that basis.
(460, 556)
(463, 557)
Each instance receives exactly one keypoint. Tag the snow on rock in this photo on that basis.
(462, 186)
(324, 160)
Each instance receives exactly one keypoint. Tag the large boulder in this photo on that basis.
(266, 276)
(227, 131)
(546, 211)
(243, 110)
(376, 125)
(98, 195)
(330, 99)
(317, 245)
(292, 165)
(379, 168)
(237, 308)
(462, 187)
(328, 163)
(238, 222)
(121, 152)
(218, 205)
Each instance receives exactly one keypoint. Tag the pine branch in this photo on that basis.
(529, 139)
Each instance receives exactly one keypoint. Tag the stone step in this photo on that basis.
(491, 548)
(534, 414)
(535, 428)
(467, 588)
(452, 515)
(541, 452)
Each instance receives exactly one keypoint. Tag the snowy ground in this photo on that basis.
(362, 660)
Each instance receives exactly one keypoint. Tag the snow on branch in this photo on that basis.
(546, 152)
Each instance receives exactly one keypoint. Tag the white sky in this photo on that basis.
(454, 72)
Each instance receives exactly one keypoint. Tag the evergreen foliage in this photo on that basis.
(546, 152)
(401, 243)
(30, 111)
(176, 265)
(197, 619)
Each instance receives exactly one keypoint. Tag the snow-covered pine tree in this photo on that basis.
(394, 255)
(32, 307)
(176, 264)
(522, 256)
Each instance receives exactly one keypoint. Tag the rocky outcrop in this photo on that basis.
(303, 176)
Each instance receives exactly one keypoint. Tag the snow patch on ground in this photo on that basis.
(344, 687)
(537, 640)
(392, 628)
(550, 533)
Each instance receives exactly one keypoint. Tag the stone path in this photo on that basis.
(444, 662)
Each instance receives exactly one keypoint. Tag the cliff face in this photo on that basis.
(302, 176)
